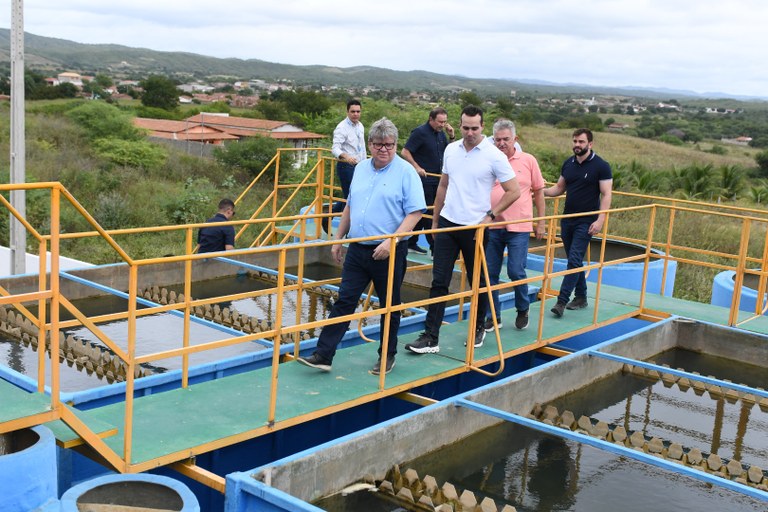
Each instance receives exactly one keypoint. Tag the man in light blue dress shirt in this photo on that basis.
(385, 197)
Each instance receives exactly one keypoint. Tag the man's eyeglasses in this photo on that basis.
(380, 145)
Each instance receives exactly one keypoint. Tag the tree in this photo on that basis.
(694, 181)
(302, 102)
(160, 92)
(732, 181)
(103, 81)
(469, 98)
(251, 155)
(101, 120)
(762, 161)
(140, 154)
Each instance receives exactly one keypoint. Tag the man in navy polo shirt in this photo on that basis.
(218, 238)
(587, 181)
(385, 197)
(424, 150)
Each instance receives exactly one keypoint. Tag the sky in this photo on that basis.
(701, 46)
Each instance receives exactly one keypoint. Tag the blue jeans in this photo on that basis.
(359, 270)
(345, 172)
(430, 190)
(516, 244)
(446, 252)
(576, 238)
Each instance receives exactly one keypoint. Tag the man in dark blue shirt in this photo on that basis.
(587, 181)
(424, 151)
(218, 238)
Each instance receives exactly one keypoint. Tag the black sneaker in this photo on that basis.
(577, 303)
(488, 325)
(424, 344)
(417, 249)
(390, 364)
(558, 309)
(479, 337)
(521, 322)
(316, 361)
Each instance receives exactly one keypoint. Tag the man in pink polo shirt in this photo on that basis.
(514, 237)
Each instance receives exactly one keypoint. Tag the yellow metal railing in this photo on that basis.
(304, 231)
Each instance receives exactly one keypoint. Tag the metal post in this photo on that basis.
(18, 235)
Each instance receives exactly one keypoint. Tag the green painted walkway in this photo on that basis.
(179, 423)
(16, 403)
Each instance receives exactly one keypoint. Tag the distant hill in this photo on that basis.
(49, 55)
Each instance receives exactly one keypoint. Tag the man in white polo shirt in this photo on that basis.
(471, 166)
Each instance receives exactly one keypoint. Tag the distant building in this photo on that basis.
(71, 78)
(183, 130)
(245, 127)
(739, 141)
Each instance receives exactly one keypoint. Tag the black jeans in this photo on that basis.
(359, 270)
(446, 252)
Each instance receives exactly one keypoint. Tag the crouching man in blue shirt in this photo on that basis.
(385, 197)
(216, 237)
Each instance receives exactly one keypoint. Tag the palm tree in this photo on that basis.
(693, 182)
(731, 181)
(759, 193)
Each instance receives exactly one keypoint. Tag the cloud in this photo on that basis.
(706, 46)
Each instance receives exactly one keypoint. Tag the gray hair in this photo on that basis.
(504, 124)
(382, 129)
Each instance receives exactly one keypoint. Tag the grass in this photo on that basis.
(622, 149)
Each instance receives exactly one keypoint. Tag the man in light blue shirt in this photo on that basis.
(348, 147)
(385, 197)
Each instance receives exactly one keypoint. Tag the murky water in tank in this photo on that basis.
(694, 419)
(540, 473)
(164, 331)
(536, 472)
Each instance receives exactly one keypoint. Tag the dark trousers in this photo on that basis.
(576, 238)
(430, 190)
(446, 252)
(344, 171)
(359, 270)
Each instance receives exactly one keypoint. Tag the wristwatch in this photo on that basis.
(490, 214)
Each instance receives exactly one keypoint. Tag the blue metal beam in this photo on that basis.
(615, 448)
(680, 373)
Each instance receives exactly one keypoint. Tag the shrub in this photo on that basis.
(195, 204)
(113, 211)
(762, 161)
(717, 149)
(131, 153)
(251, 155)
(102, 120)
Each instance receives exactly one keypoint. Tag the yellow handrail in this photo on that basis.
(276, 225)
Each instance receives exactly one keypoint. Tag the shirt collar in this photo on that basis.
(383, 169)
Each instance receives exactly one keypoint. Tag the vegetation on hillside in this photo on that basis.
(125, 181)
